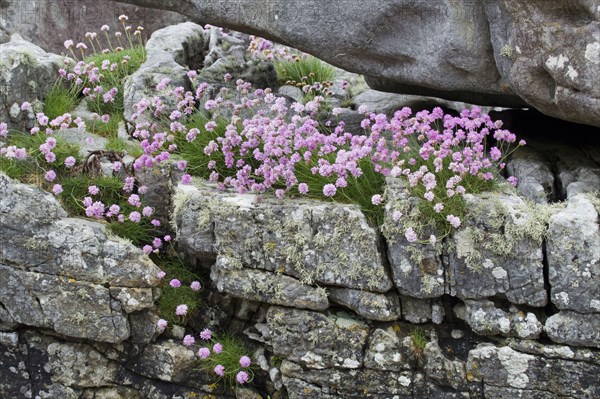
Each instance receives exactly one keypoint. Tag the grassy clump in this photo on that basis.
(109, 130)
(171, 297)
(419, 341)
(303, 70)
(233, 349)
(62, 99)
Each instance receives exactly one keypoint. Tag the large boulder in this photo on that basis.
(48, 23)
(66, 274)
(495, 52)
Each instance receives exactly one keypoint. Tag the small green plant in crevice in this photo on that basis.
(418, 340)
(109, 129)
(311, 75)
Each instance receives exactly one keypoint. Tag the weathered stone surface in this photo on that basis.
(166, 361)
(267, 287)
(27, 73)
(505, 371)
(169, 52)
(372, 306)
(447, 372)
(573, 250)
(498, 251)
(485, 318)
(335, 383)
(483, 52)
(533, 173)
(316, 242)
(417, 269)
(67, 274)
(388, 351)
(418, 311)
(574, 328)
(315, 340)
(48, 23)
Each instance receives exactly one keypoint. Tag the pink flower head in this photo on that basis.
(188, 340)
(57, 189)
(453, 220)
(217, 348)
(206, 334)
(50, 175)
(181, 310)
(513, 181)
(376, 199)
(303, 188)
(135, 217)
(203, 353)
(329, 190)
(175, 283)
(241, 377)
(195, 285)
(410, 235)
(161, 324)
(25, 106)
(147, 249)
(68, 44)
(160, 275)
(186, 179)
(219, 370)
(94, 190)
(245, 361)
(147, 211)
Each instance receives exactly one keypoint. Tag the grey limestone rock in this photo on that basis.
(387, 350)
(498, 251)
(315, 340)
(27, 73)
(574, 328)
(372, 306)
(506, 372)
(573, 250)
(315, 242)
(267, 287)
(533, 173)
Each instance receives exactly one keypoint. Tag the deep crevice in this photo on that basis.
(550, 309)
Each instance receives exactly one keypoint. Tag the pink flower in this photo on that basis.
(161, 324)
(147, 211)
(302, 188)
(188, 340)
(203, 353)
(147, 249)
(217, 348)
(175, 283)
(195, 285)
(57, 189)
(68, 44)
(245, 361)
(50, 175)
(376, 199)
(25, 106)
(410, 235)
(241, 377)
(135, 217)
(167, 238)
(396, 216)
(513, 181)
(70, 162)
(181, 310)
(160, 275)
(219, 370)
(186, 179)
(206, 334)
(453, 220)
(329, 190)
(94, 190)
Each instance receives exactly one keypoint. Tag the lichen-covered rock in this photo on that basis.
(304, 383)
(388, 351)
(485, 318)
(417, 269)
(574, 328)
(27, 73)
(418, 311)
(169, 53)
(446, 371)
(573, 250)
(506, 372)
(534, 175)
(372, 306)
(313, 241)
(498, 251)
(166, 361)
(67, 274)
(315, 340)
(259, 285)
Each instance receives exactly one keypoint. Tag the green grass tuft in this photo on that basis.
(171, 297)
(305, 70)
(60, 100)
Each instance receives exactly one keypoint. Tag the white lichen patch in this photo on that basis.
(516, 365)
(404, 381)
(595, 304)
(592, 51)
(572, 73)
(499, 273)
(557, 62)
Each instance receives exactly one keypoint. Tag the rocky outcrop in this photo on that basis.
(27, 73)
(489, 52)
(48, 23)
